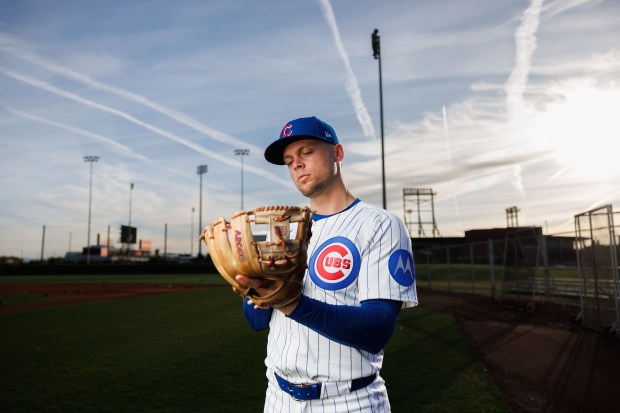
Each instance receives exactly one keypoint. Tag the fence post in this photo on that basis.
(42, 244)
(449, 269)
(428, 269)
(547, 273)
(492, 267)
(165, 241)
(473, 268)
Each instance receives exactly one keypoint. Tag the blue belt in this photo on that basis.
(313, 391)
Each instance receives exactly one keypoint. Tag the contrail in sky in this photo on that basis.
(560, 6)
(122, 149)
(525, 40)
(194, 146)
(447, 136)
(352, 86)
(8, 46)
(445, 130)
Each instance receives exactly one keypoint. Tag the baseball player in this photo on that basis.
(325, 351)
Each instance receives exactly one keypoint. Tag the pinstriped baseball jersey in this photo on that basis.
(358, 254)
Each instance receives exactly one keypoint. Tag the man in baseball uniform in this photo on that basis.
(325, 352)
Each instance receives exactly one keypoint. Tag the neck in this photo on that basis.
(333, 201)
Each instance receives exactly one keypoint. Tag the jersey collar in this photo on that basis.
(318, 217)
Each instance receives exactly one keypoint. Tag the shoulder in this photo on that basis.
(378, 226)
(378, 215)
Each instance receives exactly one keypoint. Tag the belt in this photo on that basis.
(313, 391)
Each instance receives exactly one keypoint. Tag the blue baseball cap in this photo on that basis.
(297, 130)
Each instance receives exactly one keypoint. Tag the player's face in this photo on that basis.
(312, 165)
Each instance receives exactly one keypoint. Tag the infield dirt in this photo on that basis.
(540, 360)
(46, 295)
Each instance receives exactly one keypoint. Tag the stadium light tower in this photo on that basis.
(200, 170)
(242, 152)
(90, 159)
(376, 53)
(130, 193)
(191, 235)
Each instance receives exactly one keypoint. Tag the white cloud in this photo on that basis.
(155, 97)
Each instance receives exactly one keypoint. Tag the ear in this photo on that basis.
(339, 152)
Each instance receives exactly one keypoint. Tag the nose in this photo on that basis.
(296, 163)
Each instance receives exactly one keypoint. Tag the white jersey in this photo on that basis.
(358, 254)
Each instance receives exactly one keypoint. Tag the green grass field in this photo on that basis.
(193, 352)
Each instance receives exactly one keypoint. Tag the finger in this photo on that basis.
(247, 281)
(252, 303)
(255, 283)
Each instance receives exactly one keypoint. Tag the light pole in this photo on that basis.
(42, 244)
(191, 235)
(130, 193)
(376, 50)
(90, 159)
(200, 170)
(130, 235)
(242, 152)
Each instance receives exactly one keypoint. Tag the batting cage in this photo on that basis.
(597, 258)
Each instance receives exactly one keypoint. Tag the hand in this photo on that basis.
(263, 287)
(260, 285)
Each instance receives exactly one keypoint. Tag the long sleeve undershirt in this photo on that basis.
(367, 328)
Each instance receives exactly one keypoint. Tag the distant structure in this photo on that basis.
(512, 217)
(106, 253)
(420, 202)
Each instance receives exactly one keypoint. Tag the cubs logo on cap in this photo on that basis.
(335, 264)
(299, 129)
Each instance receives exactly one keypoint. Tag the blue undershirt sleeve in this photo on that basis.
(368, 327)
(257, 318)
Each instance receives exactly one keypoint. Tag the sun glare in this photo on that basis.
(583, 131)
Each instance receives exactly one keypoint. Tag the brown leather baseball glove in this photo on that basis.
(280, 259)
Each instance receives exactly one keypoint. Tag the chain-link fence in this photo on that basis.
(459, 267)
(523, 267)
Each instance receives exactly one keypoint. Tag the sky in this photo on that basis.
(489, 104)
